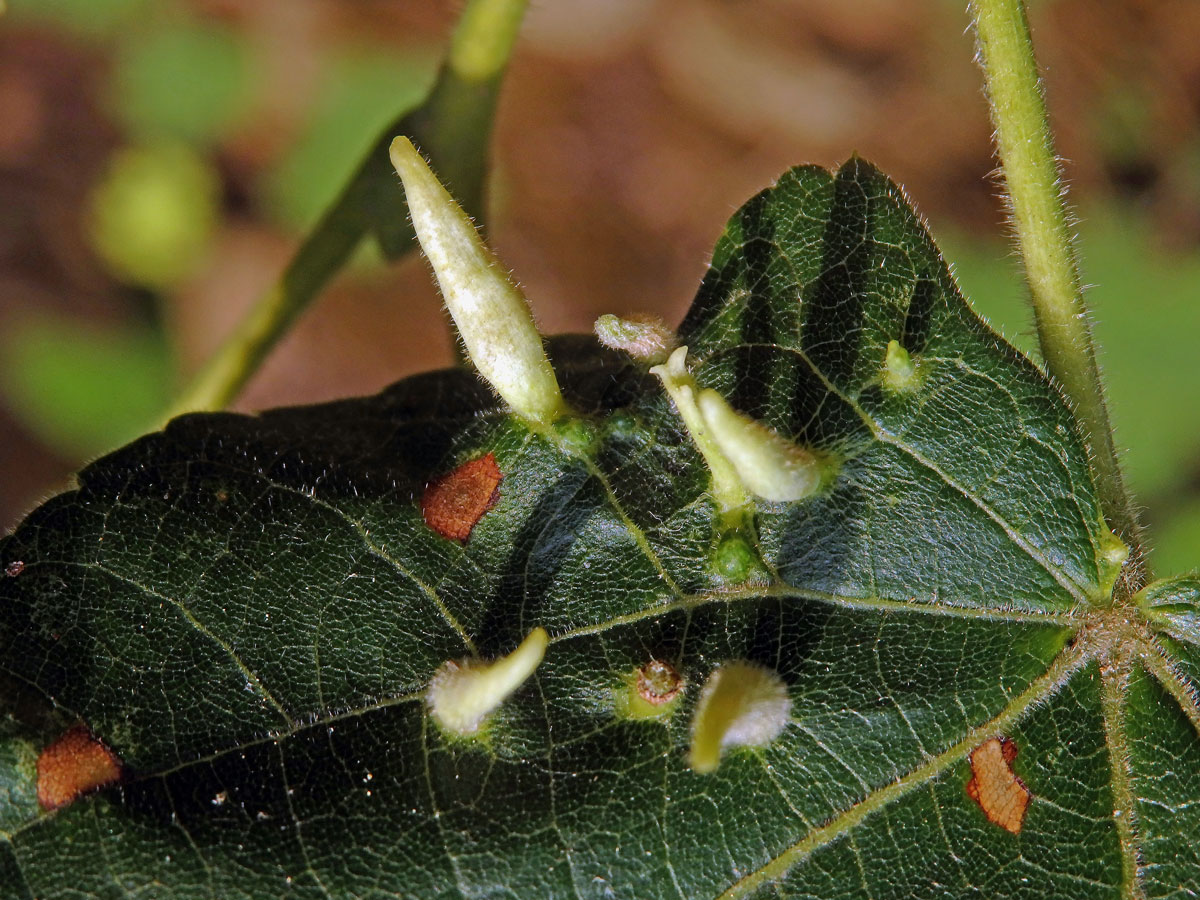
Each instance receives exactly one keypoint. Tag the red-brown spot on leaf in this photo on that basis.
(1001, 795)
(74, 765)
(454, 503)
(14, 568)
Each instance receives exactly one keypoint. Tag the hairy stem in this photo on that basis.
(1026, 152)
(1115, 676)
(453, 127)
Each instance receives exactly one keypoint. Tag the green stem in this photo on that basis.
(452, 127)
(1026, 152)
(321, 255)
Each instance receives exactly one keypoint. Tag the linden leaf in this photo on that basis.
(247, 612)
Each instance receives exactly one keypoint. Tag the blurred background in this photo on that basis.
(159, 160)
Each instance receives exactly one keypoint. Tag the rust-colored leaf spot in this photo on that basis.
(14, 568)
(1001, 795)
(72, 766)
(658, 682)
(454, 503)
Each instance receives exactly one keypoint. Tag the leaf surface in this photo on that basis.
(248, 610)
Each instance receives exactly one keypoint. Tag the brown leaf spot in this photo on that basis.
(454, 503)
(658, 682)
(14, 568)
(73, 765)
(1001, 795)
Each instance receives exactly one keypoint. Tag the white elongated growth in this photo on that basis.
(767, 464)
(490, 312)
(644, 337)
(462, 693)
(741, 705)
(727, 488)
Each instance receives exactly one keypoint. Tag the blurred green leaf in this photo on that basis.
(81, 388)
(153, 213)
(94, 18)
(1177, 539)
(188, 80)
(362, 92)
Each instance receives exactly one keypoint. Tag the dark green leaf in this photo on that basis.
(1147, 342)
(248, 610)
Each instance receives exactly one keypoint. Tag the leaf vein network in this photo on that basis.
(1069, 660)
(380, 553)
(1078, 592)
(194, 621)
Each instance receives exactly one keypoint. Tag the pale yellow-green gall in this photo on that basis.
(727, 488)
(463, 693)
(741, 705)
(1113, 552)
(899, 370)
(735, 560)
(491, 314)
(768, 465)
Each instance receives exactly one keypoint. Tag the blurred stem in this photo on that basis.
(1026, 152)
(452, 126)
(484, 38)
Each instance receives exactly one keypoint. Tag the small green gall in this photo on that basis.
(734, 560)
(899, 370)
(576, 436)
(463, 693)
(741, 705)
(491, 314)
(622, 424)
(1113, 550)
(770, 466)
(644, 337)
(727, 488)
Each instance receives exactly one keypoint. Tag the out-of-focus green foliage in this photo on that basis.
(153, 213)
(180, 87)
(83, 389)
(360, 92)
(96, 18)
(187, 80)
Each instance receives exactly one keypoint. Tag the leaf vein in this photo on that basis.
(192, 619)
(1045, 686)
(882, 435)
